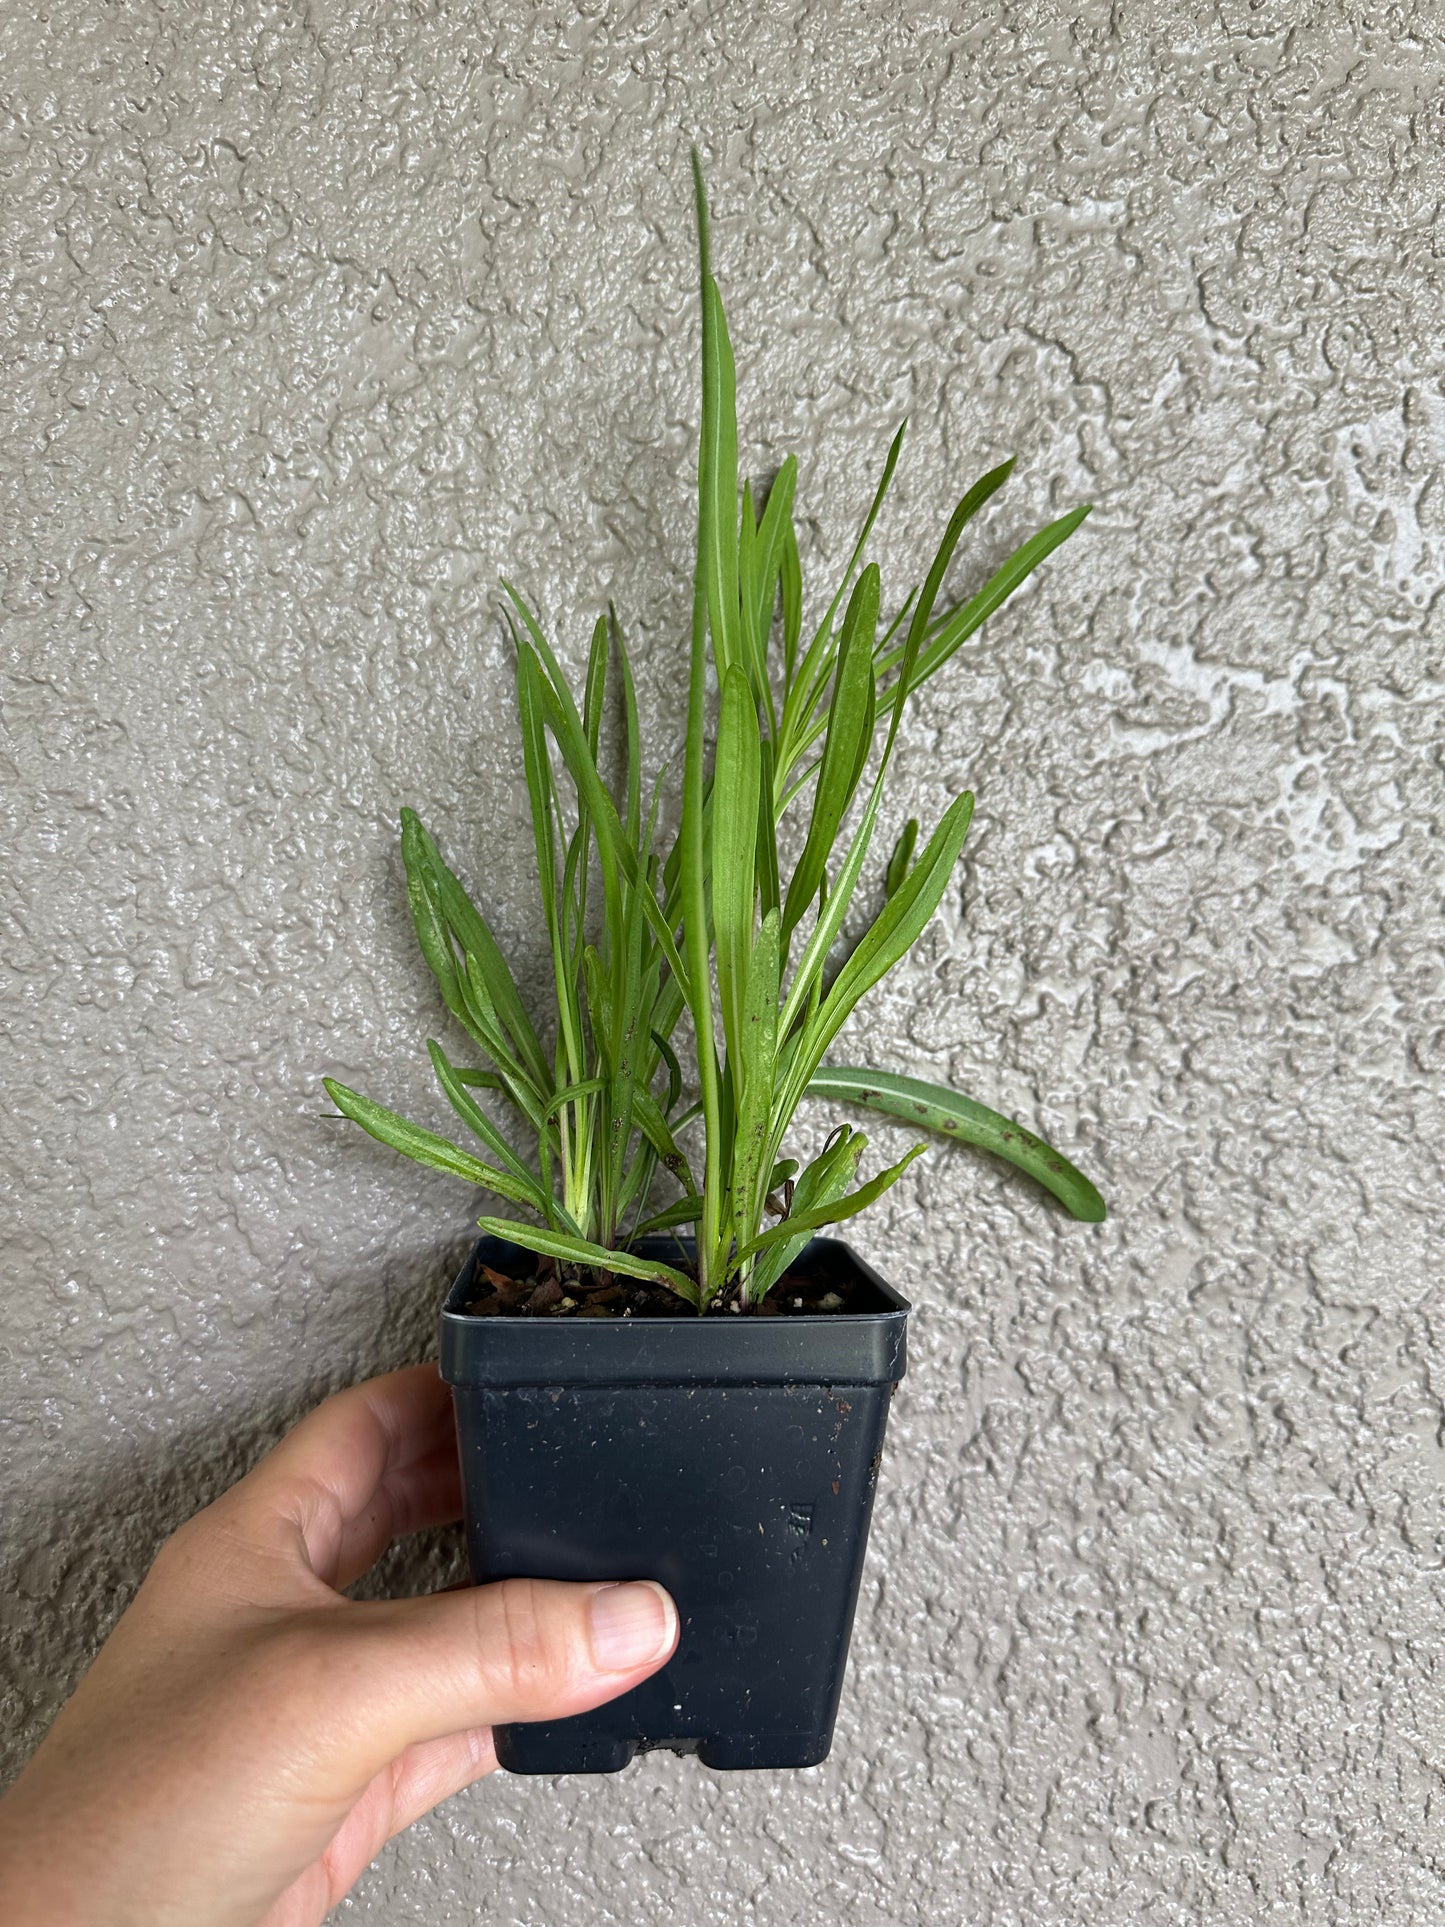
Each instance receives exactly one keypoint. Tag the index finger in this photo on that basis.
(367, 1466)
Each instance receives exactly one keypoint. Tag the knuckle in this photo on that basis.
(529, 1654)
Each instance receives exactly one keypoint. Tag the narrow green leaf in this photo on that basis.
(655, 1128)
(958, 626)
(757, 1054)
(485, 1026)
(892, 934)
(823, 1179)
(765, 861)
(901, 858)
(850, 729)
(581, 1251)
(717, 486)
(631, 732)
(573, 1094)
(963, 514)
(431, 930)
(686, 1211)
(537, 767)
(422, 1147)
(751, 639)
(936, 1108)
(894, 448)
(772, 543)
(477, 1121)
(792, 584)
(474, 934)
(674, 1070)
(736, 779)
(718, 483)
(594, 699)
(553, 701)
(599, 1004)
(837, 1210)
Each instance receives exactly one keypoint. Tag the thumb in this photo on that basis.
(521, 1649)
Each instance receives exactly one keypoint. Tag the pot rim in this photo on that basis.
(811, 1348)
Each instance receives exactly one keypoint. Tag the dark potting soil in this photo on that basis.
(554, 1291)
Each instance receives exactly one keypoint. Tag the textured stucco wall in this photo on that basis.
(314, 318)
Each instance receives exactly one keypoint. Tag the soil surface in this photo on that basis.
(554, 1291)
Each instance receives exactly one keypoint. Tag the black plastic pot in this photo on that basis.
(732, 1458)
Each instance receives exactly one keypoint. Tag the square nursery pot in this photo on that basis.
(731, 1458)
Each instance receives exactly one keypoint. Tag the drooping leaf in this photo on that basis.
(937, 1108)
(581, 1251)
(655, 1128)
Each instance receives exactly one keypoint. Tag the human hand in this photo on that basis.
(248, 1738)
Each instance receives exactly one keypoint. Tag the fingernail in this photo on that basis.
(631, 1625)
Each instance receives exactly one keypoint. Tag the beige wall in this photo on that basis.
(316, 318)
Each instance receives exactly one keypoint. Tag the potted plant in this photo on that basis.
(704, 1408)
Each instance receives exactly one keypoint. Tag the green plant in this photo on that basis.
(777, 1017)
(597, 1129)
(713, 930)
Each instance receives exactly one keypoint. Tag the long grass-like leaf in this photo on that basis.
(477, 1121)
(717, 481)
(632, 735)
(594, 699)
(893, 933)
(718, 461)
(755, 1062)
(581, 1251)
(936, 1108)
(957, 627)
(736, 779)
(850, 729)
(421, 1146)
(449, 907)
